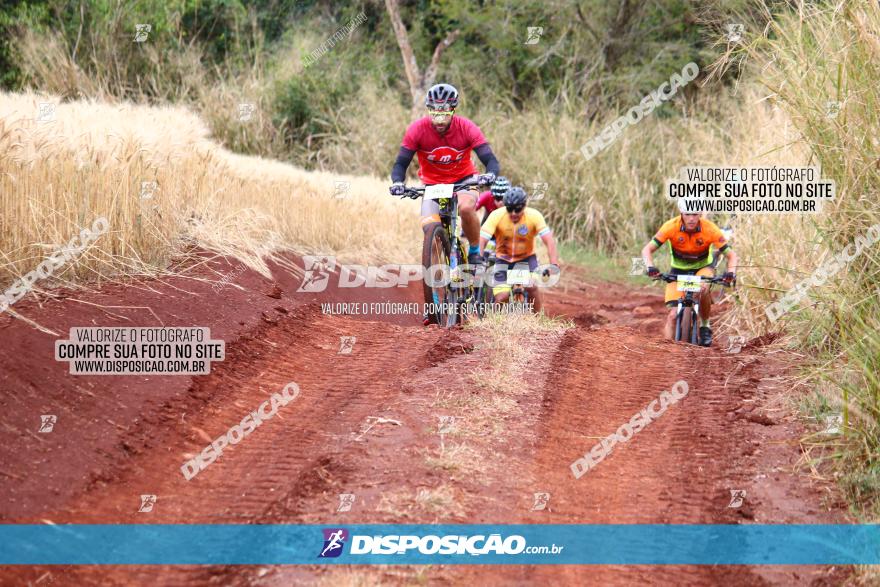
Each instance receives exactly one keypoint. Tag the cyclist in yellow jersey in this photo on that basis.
(515, 227)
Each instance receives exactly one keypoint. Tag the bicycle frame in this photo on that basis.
(483, 293)
(449, 219)
(689, 301)
(519, 292)
(456, 293)
(448, 216)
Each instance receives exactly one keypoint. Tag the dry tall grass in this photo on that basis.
(611, 203)
(830, 53)
(57, 177)
(614, 202)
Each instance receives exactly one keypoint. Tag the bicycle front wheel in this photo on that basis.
(439, 298)
(485, 299)
(679, 319)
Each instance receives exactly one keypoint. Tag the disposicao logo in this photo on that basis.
(317, 273)
(334, 541)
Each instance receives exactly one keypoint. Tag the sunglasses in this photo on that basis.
(514, 209)
(441, 113)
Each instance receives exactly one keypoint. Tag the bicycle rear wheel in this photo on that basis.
(435, 256)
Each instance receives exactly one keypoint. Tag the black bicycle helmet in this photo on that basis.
(515, 196)
(440, 95)
(500, 187)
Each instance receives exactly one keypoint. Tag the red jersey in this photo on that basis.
(487, 201)
(444, 158)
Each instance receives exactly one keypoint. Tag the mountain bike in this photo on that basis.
(450, 293)
(519, 280)
(687, 316)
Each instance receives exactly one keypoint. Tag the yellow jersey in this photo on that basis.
(514, 242)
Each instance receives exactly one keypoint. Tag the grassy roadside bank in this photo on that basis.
(834, 102)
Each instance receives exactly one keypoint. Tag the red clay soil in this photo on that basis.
(366, 423)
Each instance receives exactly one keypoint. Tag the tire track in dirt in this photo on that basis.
(677, 470)
(304, 450)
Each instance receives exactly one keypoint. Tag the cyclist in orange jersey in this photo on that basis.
(694, 243)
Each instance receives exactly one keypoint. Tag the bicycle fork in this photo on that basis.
(694, 307)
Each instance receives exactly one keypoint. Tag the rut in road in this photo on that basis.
(303, 450)
(677, 470)
(728, 433)
(513, 437)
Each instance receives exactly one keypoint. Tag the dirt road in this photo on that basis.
(368, 423)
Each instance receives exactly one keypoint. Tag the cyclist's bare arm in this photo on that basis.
(648, 253)
(732, 260)
(550, 243)
(483, 242)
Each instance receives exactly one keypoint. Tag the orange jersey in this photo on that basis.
(691, 250)
(514, 242)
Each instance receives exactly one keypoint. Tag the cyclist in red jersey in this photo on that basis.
(493, 198)
(444, 143)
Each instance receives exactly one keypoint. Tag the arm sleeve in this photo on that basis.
(487, 157)
(404, 157)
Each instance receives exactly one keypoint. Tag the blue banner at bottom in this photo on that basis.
(416, 544)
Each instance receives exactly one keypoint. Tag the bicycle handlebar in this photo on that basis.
(670, 277)
(418, 191)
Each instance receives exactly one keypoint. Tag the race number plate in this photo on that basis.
(439, 191)
(689, 282)
(518, 277)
